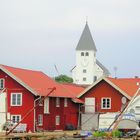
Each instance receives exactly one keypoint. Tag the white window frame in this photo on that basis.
(2, 82)
(65, 102)
(57, 120)
(16, 99)
(46, 105)
(40, 119)
(57, 102)
(17, 115)
(106, 98)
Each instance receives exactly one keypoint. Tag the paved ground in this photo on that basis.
(56, 135)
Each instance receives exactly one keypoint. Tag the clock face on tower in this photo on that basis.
(84, 62)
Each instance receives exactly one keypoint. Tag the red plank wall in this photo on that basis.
(27, 100)
(68, 115)
(103, 89)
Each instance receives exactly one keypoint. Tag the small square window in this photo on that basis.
(84, 70)
(15, 118)
(84, 78)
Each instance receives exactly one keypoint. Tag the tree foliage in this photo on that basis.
(63, 79)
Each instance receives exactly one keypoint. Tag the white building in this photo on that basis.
(2, 109)
(88, 69)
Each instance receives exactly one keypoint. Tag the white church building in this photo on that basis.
(88, 69)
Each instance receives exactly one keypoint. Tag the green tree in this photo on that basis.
(63, 79)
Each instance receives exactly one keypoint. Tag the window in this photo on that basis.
(40, 102)
(1, 83)
(137, 107)
(46, 105)
(65, 102)
(106, 103)
(87, 54)
(82, 53)
(84, 70)
(57, 120)
(15, 118)
(16, 99)
(57, 102)
(94, 78)
(84, 78)
(40, 119)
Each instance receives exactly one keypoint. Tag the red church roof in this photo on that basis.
(39, 83)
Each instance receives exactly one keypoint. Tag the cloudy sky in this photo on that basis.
(38, 34)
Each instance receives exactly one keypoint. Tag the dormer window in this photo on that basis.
(87, 54)
(82, 53)
(1, 83)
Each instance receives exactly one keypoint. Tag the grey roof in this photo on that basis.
(86, 41)
(105, 70)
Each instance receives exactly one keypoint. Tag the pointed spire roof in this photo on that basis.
(86, 41)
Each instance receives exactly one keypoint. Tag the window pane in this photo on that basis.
(84, 70)
(57, 119)
(17, 119)
(84, 78)
(87, 54)
(57, 102)
(18, 99)
(82, 53)
(1, 83)
(13, 99)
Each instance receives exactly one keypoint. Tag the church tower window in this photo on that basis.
(82, 53)
(84, 70)
(87, 54)
(84, 78)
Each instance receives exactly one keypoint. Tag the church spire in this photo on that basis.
(86, 41)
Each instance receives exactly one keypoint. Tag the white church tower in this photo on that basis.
(88, 69)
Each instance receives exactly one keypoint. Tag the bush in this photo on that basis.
(116, 134)
(99, 134)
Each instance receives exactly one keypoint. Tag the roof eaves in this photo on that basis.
(88, 88)
(106, 71)
(109, 82)
(18, 80)
(117, 88)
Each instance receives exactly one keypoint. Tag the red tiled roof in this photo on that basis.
(40, 83)
(128, 85)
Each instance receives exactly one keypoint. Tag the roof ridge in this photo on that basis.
(26, 69)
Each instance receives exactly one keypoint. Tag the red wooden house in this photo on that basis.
(109, 94)
(24, 89)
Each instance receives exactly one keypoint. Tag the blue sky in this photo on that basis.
(38, 34)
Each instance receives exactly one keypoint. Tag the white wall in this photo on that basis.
(2, 110)
(88, 63)
(85, 62)
(135, 106)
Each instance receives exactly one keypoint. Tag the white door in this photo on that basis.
(89, 105)
(2, 110)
